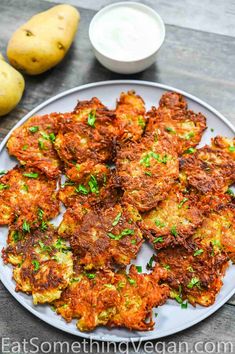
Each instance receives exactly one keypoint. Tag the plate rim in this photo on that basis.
(108, 337)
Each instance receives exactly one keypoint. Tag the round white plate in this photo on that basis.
(171, 318)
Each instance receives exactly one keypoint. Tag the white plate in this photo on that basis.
(171, 318)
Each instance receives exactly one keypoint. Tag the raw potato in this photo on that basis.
(43, 41)
(11, 87)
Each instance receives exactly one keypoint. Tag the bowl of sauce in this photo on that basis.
(126, 36)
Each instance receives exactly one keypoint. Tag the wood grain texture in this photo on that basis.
(214, 17)
(198, 62)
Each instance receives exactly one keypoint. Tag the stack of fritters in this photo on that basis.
(130, 176)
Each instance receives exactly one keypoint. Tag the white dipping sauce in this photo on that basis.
(127, 33)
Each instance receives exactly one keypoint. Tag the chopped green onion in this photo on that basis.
(117, 218)
(139, 269)
(82, 189)
(31, 175)
(33, 129)
(174, 231)
(25, 147)
(189, 136)
(231, 148)
(194, 282)
(158, 239)
(90, 275)
(4, 186)
(93, 184)
(184, 200)
(26, 226)
(36, 264)
(141, 122)
(91, 119)
(191, 150)
(159, 223)
(131, 281)
(198, 252)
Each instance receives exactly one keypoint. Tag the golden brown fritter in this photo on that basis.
(224, 144)
(103, 237)
(173, 220)
(27, 198)
(207, 170)
(218, 229)
(194, 273)
(147, 170)
(33, 144)
(173, 117)
(113, 299)
(130, 112)
(42, 263)
(87, 134)
(88, 183)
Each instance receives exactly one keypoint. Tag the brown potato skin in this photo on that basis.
(42, 42)
(111, 300)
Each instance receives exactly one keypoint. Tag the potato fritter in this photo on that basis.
(194, 273)
(103, 237)
(42, 263)
(173, 220)
(130, 112)
(218, 229)
(27, 198)
(224, 144)
(88, 183)
(33, 144)
(207, 170)
(147, 170)
(87, 134)
(113, 299)
(173, 117)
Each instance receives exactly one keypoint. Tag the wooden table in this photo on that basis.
(193, 58)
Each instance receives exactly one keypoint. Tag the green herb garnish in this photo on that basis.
(4, 186)
(174, 231)
(125, 232)
(117, 218)
(159, 223)
(158, 239)
(93, 184)
(31, 175)
(91, 119)
(33, 129)
(82, 189)
(26, 226)
(139, 269)
(36, 264)
(198, 252)
(191, 150)
(194, 282)
(184, 200)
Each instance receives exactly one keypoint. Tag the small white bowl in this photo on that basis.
(115, 61)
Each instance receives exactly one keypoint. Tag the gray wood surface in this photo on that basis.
(196, 61)
(217, 16)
